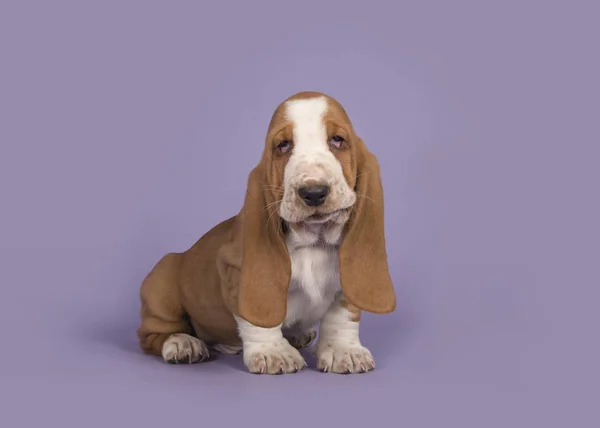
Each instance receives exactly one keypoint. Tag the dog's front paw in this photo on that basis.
(273, 358)
(182, 348)
(344, 358)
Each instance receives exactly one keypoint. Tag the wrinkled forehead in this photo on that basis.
(308, 117)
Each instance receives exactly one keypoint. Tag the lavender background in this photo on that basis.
(128, 128)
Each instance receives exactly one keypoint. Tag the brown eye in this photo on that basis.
(337, 141)
(284, 146)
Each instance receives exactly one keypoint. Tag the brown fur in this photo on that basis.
(241, 266)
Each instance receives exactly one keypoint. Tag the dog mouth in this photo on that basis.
(320, 218)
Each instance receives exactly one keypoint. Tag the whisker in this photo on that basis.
(365, 197)
(270, 205)
(271, 215)
(356, 177)
(269, 187)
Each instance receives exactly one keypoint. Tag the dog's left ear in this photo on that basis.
(266, 267)
(364, 272)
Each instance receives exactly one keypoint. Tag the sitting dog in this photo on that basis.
(306, 249)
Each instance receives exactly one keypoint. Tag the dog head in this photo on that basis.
(314, 170)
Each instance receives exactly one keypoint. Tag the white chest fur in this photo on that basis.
(315, 275)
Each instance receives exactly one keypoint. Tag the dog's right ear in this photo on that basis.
(266, 267)
(364, 272)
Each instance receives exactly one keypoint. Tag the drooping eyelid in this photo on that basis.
(282, 148)
(283, 133)
(335, 129)
(341, 134)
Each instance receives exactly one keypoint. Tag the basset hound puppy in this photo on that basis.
(306, 249)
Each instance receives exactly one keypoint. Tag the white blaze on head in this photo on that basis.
(311, 161)
(310, 134)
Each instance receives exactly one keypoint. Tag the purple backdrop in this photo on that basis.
(128, 129)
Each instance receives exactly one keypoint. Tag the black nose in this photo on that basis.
(314, 196)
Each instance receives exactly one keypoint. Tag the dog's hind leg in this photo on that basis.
(165, 330)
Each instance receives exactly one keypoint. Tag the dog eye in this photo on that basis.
(284, 146)
(337, 141)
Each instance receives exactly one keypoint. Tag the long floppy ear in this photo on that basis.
(266, 267)
(364, 272)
